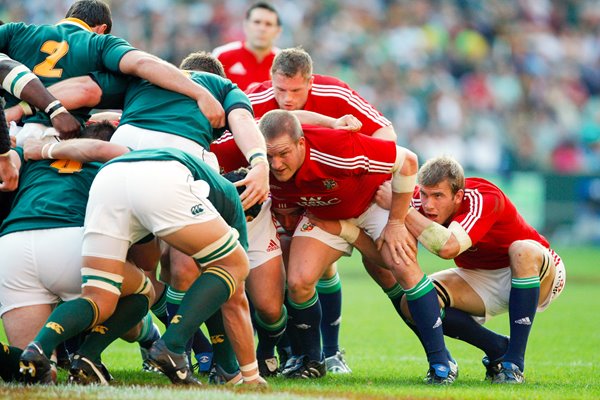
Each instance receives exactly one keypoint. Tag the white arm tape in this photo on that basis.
(464, 241)
(434, 237)
(17, 79)
(256, 155)
(403, 183)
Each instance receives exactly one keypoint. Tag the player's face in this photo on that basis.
(261, 29)
(438, 202)
(285, 156)
(288, 217)
(291, 93)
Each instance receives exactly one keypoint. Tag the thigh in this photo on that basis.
(308, 260)
(461, 295)
(23, 323)
(20, 283)
(306, 229)
(265, 286)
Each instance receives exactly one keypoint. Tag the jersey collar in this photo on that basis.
(76, 22)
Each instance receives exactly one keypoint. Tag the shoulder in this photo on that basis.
(326, 80)
(482, 193)
(227, 48)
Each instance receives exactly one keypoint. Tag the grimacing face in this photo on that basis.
(285, 156)
(261, 29)
(438, 202)
(291, 93)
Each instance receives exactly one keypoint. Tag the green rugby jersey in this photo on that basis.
(150, 107)
(51, 194)
(57, 52)
(223, 195)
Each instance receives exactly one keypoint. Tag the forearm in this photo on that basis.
(161, 73)
(83, 150)
(313, 118)
(77, 92)
(404, 179)
(436, 238)
(246, 134)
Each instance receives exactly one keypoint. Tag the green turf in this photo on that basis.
(388, 362)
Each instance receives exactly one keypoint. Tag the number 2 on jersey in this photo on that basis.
(57, 50)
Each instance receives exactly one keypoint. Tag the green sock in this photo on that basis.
(203, 299)
(67, 320)
(130, 311)
(222, 350)
(9, 362)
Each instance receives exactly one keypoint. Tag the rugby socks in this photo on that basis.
(159, 308)
(425, 310)
(149, 332)
(66, 321)
(306, 318)
(198, 342)
(129, 312)
(522, 305)
(269, 334)
(9, 362)
(222, 350)
(395, 294)
(330, 296)
(203, 299)
(460, 325)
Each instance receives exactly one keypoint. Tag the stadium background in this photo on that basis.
(509, 87)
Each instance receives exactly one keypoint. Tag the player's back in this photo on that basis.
(61, 51)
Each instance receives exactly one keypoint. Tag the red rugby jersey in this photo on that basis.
(340, 174)
(492, 222)
(241, 65)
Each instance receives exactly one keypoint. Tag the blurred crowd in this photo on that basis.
(502, 85)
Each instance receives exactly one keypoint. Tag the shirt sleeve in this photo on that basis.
(483, 212)
(113, 49)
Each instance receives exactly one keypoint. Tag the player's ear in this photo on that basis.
(100, 29)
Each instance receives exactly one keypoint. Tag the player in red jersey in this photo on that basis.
(295, 87)
(503, 263)
(249, 62)
(335, 174)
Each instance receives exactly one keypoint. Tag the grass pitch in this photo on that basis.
(388, 361)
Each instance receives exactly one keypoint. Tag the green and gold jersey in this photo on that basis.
(150, 107)
(51, 194)
(57, 52)
(223, 195)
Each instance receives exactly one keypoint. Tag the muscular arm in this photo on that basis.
(250, 142)
(167, 76)
(9, 172)
(346, 122)
(395, 235)
(441, 241)
(19, 81)
(84, 150)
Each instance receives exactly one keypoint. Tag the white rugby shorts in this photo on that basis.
(129, 200)
(40, 267)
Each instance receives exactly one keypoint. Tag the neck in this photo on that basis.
(259, 53)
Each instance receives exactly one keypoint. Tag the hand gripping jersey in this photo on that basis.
(241, 65)
(340, 174)
(492, 222)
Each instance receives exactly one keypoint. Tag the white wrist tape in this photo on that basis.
(47, 151)
(51, 105)
(59, 110)
(27, 110)
(403, 183)
(250, 378)
(349, 231)
(256, 156)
